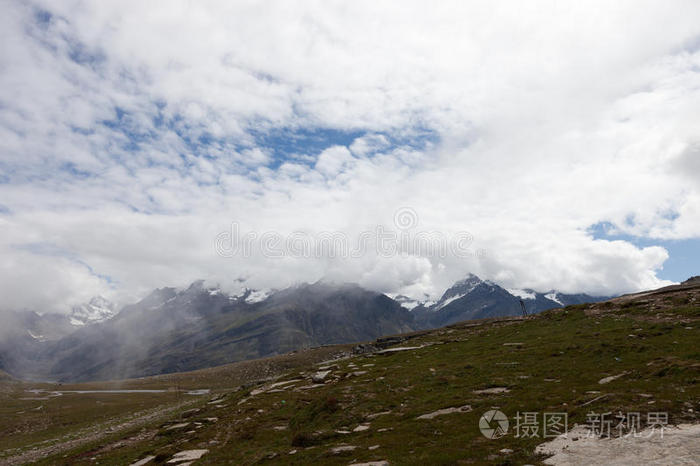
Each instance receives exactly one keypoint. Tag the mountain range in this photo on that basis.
(173, 330)
(473, 298)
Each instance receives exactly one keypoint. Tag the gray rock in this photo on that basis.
(320, 376)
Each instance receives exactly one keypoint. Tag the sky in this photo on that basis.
(544, 145)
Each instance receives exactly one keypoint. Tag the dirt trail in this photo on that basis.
(90, 434)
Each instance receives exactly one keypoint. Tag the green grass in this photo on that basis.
(562, 357)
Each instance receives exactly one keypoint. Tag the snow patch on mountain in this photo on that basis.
(410, 304)
(553, 297)
(449, 300)
(97, 310)
(406, 302)
(256, 296)
(522, 294)
(36, 337)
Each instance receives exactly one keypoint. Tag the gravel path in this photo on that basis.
(90, 434)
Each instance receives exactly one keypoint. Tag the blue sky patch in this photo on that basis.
(683, 255)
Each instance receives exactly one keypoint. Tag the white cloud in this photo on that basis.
(130, 135)
(368, 144)
(334, 160)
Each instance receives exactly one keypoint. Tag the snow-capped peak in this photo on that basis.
(463, 287)
(97, 310)
(459, 290)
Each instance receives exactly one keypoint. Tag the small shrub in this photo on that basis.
(303, 439)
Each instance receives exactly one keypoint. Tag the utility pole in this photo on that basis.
(522, 306)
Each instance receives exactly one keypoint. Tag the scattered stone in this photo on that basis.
(372, 463)
(440, 412)
(342, 449)
(361, 428)
(491, 391)
(190, 412)
(320, 376)
(400, 348)
(373, 447)
(283, 383)
(368, 365)
(279, 428)
(506, 451)
(187, 455)
(594, 399)
(308, 387)
(178, 426)
(143, 461)
(385, 429)
(512, 344)
(357, 373)
(201, 391)
(605, 380)
(376, 415)
(343, 432)
(363, 348)
(292, 452)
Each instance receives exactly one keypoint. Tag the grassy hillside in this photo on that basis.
(644, 348)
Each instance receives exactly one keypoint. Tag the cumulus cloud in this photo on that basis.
(132, 134)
